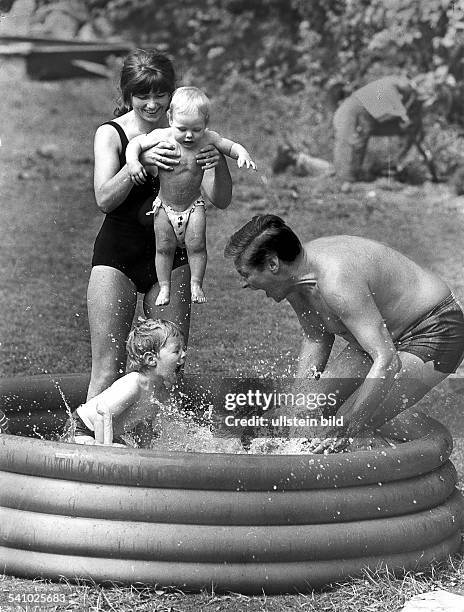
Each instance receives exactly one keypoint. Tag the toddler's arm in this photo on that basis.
(136, 146)
(232, 149)
(115, 400)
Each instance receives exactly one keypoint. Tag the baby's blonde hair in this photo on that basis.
(149, 335)
(190, 100)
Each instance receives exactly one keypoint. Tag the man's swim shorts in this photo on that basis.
(437, 336)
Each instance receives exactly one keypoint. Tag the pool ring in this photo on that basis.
(193, 506)
(248, 578)
(232, 543)
(237, 522)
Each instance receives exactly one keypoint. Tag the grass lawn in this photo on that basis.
(48, 222)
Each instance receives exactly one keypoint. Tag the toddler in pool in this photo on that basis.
(155, 350)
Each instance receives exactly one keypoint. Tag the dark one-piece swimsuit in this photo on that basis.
(126, 240)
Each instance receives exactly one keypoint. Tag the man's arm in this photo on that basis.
(317, 342)
(314, 354)
(354, 304)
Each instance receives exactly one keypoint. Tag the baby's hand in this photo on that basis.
(244, 159)
(137, 173)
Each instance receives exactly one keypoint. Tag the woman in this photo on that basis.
(123, 261)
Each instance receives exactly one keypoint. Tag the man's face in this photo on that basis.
(265, 278)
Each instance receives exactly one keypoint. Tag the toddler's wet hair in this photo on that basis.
(190, 100)
(149, 335)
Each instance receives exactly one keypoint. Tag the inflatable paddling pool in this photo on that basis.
(243, 523)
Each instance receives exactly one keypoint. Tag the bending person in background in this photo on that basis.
(123, 262)
(403, 327)
(390, 106)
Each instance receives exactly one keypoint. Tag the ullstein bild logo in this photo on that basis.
(282, 421)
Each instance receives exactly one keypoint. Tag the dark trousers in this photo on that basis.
(3, 422)
(353, 127)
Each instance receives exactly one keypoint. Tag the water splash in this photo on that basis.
(57, 386)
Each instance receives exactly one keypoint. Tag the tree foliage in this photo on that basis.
(289, 43)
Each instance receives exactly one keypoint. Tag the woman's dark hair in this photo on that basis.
(144, 71)
(261, 237)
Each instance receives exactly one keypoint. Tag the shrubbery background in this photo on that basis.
(290, 44)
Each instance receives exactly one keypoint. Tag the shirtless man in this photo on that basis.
(403, 327)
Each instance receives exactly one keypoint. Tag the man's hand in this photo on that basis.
(335, 441)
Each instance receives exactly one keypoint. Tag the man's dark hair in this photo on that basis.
(261, 237)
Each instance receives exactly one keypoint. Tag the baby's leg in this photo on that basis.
(195, 242)
(166, 244)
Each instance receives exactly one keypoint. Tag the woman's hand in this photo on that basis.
(163, 155)
(208, 157)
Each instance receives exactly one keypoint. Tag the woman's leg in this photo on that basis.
(166, 244)
(195, 241)
(111, 301)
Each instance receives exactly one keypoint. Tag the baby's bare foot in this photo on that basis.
(164, 296)
(198, 296)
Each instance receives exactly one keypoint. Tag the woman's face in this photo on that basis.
(152, 106)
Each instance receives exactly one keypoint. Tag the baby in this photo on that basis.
(155, 350)
(179, 210)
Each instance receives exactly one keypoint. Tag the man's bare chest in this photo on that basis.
(315, 308)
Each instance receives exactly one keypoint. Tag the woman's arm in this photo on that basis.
(217, 183)
(134, 150)
(112, 184)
